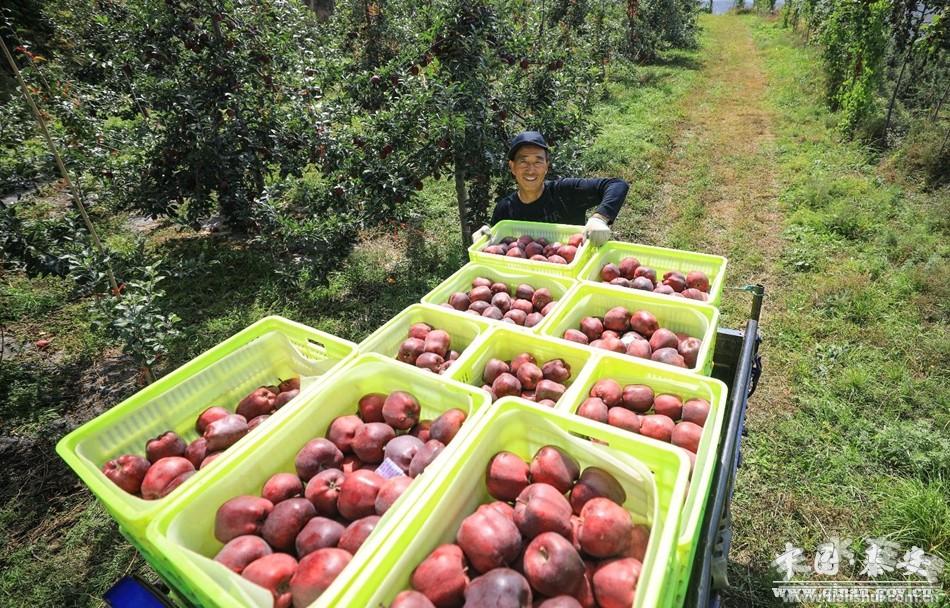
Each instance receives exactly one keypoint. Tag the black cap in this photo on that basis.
(526, 138)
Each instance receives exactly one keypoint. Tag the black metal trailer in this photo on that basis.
(737, 363)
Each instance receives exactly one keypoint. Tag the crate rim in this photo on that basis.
(716, 282)
(136, 511)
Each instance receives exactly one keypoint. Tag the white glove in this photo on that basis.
(484, 230)
(597, 231)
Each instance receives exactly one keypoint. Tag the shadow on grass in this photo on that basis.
(750, 586)
(46, 562)
(225, 285)
(363, 295)
(677, 60)
(218, 274)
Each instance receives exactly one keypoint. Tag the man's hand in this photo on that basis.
(597, 230)
(480, 233)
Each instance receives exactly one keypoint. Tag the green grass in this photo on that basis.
(863, 448)
(639, 119)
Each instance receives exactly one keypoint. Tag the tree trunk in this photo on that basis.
(890, 105)
(940, 103)
(633, 8)
(900, 76)
(461, 193)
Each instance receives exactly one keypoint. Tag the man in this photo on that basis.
(561, 201)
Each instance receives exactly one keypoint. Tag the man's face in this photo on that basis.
(529, 167)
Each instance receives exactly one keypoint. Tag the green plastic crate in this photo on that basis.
(655, 484)
(462, 329)
(504, 343)
(183, 533)
(462, 281)
(663, 379)
(269, 349)
(661, 260)
(697, 319)
(551, 232)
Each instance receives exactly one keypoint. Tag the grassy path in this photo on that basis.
(720, 194)
(847, 432)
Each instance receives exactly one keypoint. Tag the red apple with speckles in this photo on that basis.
(371, 407)
(489, 539)
(552, 565)
(225, 432)
(260, 401)
(315, 456)
(318, 533)
(447, 425)
(240, 516)
(166, 475)
(441, 577)
(424, 457)
(370, 441)
(208, 416)
(390, 491)
(555, 467)
(358, 494)
(238, 552)
(595, 482)
(274, 573)
(281, 486)
(323, 490)
(316, 573)
(165, 445)
(542, 508)
(342, 430)
(285, 521)
(507, 476)
(401, 409)
(500, 588)
(605, 528)
(127, 472)
(615, 583)
(357, 532)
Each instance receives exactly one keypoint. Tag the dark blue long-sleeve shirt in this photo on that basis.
(565, 201)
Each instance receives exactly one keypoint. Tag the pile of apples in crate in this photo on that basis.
(630, 273)
(637, 334)
(427, 348)
(169, 462)
(527, 306)
(538, 250)
(523, 377)
(636, 408)
(303, 529)
(567, 542)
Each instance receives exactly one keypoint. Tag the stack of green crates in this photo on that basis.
(175, 533)
(654, 479)
(183, 533)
